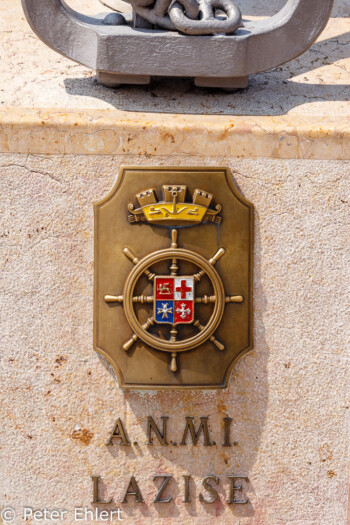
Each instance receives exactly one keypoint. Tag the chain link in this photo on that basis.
(189, 16)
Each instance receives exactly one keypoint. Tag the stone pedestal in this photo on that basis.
(63, 138)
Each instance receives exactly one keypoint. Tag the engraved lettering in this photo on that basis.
(210, 489)
(236, 488)
(195, 435)
(158, 498)
(119, 432)
(133, 490)
(151, 425)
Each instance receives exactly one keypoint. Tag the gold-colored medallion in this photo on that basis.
(173, 277)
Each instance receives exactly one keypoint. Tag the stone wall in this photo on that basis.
(63, 138)
(287, 397)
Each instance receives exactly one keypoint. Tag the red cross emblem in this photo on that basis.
(183, 289)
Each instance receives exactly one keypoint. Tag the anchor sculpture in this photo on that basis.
(162, 39)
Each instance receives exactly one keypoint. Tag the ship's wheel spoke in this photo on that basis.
(234, 299)
(135, 260)
(137, 299)
(173, 334)
(217, 343)
(173, 362)
(113, 298)
(143, 299)
(174, 267)
(198, 276)
(212, 299)
(134, 337)
(206, 299)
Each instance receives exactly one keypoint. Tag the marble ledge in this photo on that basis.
(112, 132)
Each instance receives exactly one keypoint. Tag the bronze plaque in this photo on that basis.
(173, 277)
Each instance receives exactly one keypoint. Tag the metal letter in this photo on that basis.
(95, 498)
(162, 488)
(151, 425)
(227, 422)
(134, 492)
(195, 435)
(236, 488)
(210, 489)
(119, 432)
(187, 498)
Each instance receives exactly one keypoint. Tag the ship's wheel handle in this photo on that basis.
(141, 330)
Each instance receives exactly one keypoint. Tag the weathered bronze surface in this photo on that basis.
(194, 246)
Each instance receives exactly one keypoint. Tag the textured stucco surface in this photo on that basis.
(288, 397)
(59, 400)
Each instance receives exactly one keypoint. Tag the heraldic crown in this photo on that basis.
(173, 208)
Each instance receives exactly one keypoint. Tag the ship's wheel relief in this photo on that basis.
(172, 300)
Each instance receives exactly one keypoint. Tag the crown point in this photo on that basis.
(147, 197)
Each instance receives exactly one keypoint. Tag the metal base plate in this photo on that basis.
(114, 80)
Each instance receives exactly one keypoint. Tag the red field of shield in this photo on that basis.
(183, 312)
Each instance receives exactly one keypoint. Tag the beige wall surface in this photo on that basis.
(59, 400)
(63, 138)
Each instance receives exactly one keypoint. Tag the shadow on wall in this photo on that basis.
(271, 93)
(245, 401)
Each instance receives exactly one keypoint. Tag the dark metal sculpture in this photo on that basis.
(189, 16)
(161, 39)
